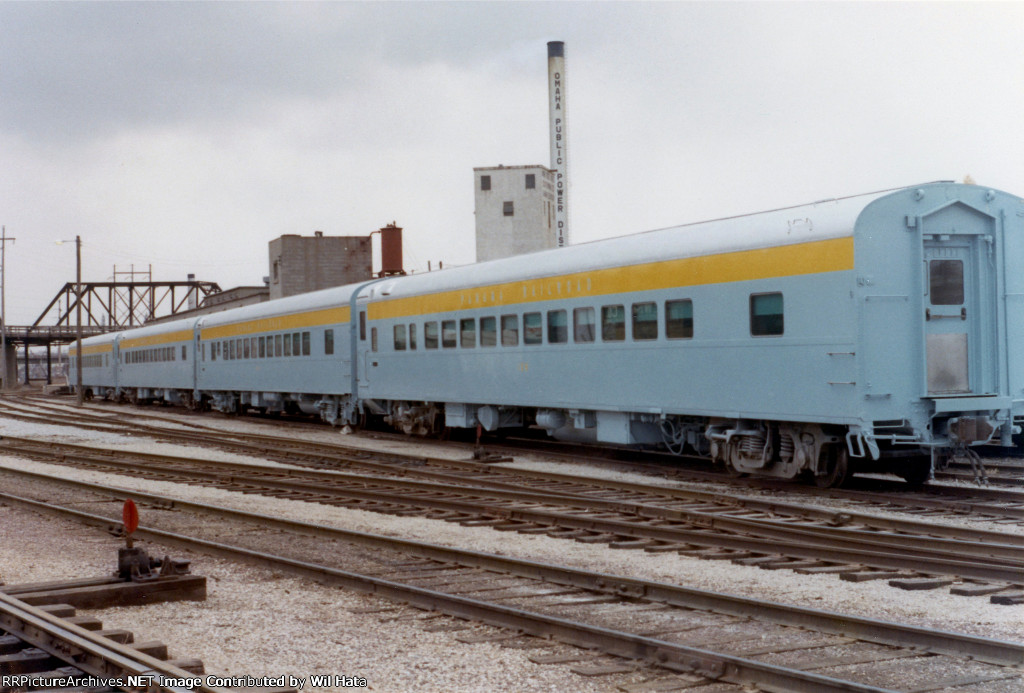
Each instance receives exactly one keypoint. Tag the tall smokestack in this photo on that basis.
(559, 139)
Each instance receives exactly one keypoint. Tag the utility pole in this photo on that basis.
(3, 301)
(79, 394)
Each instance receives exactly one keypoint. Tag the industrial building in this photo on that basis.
(515, 210)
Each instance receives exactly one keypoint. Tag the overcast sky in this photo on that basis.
(187, 135)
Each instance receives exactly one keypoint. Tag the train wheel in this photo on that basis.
(837, 468)
(917, 471)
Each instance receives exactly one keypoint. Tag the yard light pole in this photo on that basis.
(79, 395)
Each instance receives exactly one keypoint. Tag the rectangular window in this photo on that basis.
(558, 327)
(373, 338)
(412, 337)
(449, 337)
(508, 209)
(766, 318)
(467, 333)
(296, 344)
(306, 346)
(531, 181)
(533, 331)
(245, 348)
(613, 323)
(231, 350)
(399, 336)
(430, 335)
(485, 182)
(509, 330)
(184, 353)
(679, 319)
(213, 351)
(287, 344)
(583, 325)
(328, 342)
(263, 347)
(278, 350)
(946, 282)
(362, 325)
(488, 332)
(645, 321)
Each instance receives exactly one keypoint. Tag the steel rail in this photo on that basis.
(709, 530)
(94, 654)
(939, 642)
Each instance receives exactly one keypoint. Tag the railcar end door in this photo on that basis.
(959, 303)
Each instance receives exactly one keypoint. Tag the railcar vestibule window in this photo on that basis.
(946, 282)
(679, 319)
(766, 315)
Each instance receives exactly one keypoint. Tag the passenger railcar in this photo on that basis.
(878, 331)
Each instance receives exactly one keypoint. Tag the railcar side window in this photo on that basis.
(679, 319)
(399, 337)
(287, 344)
(430, 335)
(467, 333)
(946, 282)
(533, 332)
(412, 337)
(645, 321)
(245, 348)
(184, 352)
(488, 332)
(613, 323)
(448, 335)
(305, 344)
(583, 325)
(296, 344)
(278, 351)
(509, 330)
(766, 315)
(263, 347)
(558, 327)
(231, 350)
(373, 338)
(362, 325)
(329, 342)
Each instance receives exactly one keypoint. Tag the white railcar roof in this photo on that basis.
(812, 222)
(314, 300)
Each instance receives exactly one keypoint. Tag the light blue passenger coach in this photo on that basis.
(879, 331)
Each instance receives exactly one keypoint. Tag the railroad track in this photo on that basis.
(934, 500)
(677, 636)
(51, 649)
(999, 504)
(770, 534)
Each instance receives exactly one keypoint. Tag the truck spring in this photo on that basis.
(752, 446)
(786, 447)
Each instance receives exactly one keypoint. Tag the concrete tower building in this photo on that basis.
(515, 211)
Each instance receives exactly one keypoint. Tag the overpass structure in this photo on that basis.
(106, 307)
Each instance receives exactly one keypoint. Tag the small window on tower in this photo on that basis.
(508, 209)
(531, 181)
(485, 182)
